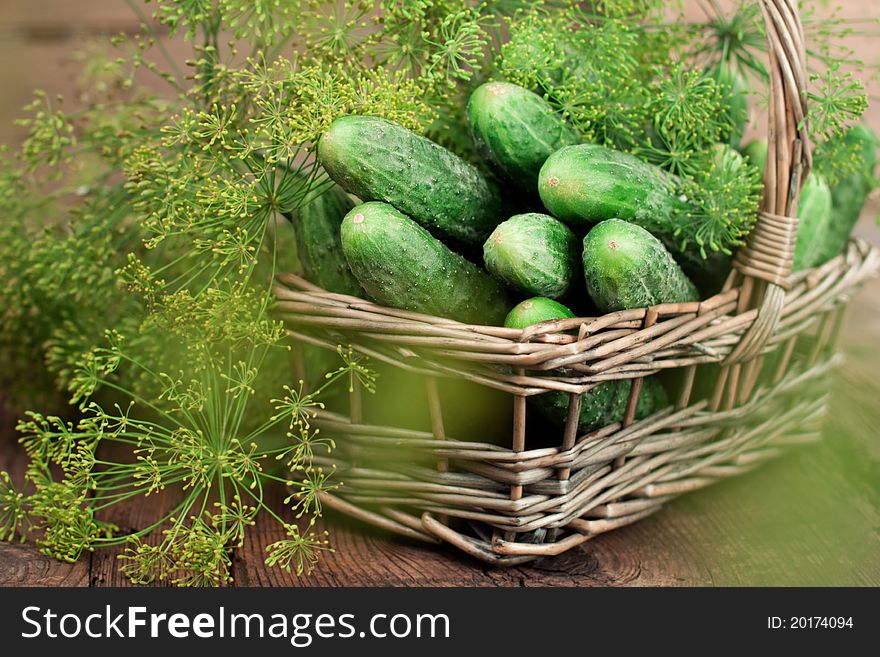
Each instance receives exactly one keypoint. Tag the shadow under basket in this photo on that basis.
(746, 372)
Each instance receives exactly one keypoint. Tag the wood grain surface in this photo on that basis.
(20, 563)
(810, 518)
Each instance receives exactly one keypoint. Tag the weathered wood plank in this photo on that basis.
(21, 564)
(363, 557)
(137, 514)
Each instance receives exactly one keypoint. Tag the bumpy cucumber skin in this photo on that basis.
(603, 405)
(534, 311)
(378, 160)
(533, 253)
(319, 245)
(400, 264)
(516, 130)
(582, 185)
(625, 266)
(586, 184)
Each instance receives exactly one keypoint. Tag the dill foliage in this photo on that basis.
(141, 230)
(636, 86)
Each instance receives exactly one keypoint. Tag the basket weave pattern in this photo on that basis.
(506, 505)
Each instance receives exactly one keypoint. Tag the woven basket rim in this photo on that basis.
(859, 251)
(620, 345)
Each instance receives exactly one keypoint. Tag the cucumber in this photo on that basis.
(627, 267)
(400, 264)
(516, 130)
(847, 198)
(735, 99)
(603, 405)
(727, 157)
(534, 311)
(533, 253)
(583, 185)
(378, 160)
(849, 195)
(756, 152)
(319, 245)
(815, 224)
(816, 219)
(828, 215)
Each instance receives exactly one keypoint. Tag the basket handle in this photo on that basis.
(764, 263)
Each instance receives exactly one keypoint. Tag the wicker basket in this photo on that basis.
(514, 503)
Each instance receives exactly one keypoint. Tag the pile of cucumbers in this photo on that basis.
(435, 234)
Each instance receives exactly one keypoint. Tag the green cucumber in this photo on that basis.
(816, 219)
(603, 405)
(756, 152)
(849, 195)
(727, 157)
(735, 99)
(625, 266)
(319, 245)
(815, 223)
(378, 160)
(534, 311)
(516, 130)
(533, 253)
(583, 185)
(828, 214)
(400, 264)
